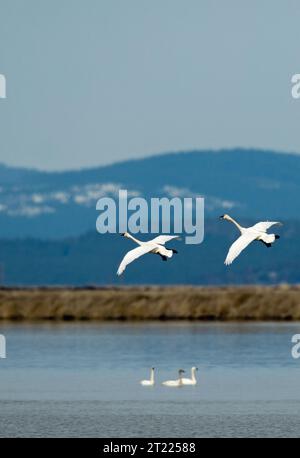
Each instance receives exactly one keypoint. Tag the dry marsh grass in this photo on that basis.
(152, 303)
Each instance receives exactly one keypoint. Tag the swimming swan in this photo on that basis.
(248, 235)
(192, 380)
(149, 382)
(177, 382)
(155, 246)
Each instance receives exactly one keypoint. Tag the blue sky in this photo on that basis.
(93, 82)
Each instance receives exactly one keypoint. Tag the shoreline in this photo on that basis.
(224, 303)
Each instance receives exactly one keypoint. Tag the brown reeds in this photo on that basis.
(152, 303)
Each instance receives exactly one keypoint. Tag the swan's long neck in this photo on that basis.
(193, 374)
(180, 378)
(233, 221)
(152, 376)
(129, 236)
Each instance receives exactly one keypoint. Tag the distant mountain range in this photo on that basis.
(47, 220)
(247, 183)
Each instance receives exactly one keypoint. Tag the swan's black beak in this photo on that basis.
(221, 217)
(123, 234)
(277, 237)
(174, 251)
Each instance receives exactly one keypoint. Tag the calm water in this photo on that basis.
(82, 380)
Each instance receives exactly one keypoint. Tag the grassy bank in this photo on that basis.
(152, 303)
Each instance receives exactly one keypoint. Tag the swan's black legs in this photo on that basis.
(164, 258)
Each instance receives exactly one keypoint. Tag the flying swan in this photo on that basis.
(192, 380)
(248, 235)
(155, 246)
(149, 382)
(177, 382)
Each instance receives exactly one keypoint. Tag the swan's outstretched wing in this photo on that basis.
(263, 226)
(132, 255)
(238, 246)
(162, 239)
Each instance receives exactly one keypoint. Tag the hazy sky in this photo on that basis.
(95, 81)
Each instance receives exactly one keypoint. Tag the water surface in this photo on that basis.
(81, 380)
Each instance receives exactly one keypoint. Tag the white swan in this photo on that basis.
(155, 246)
(248, 235)
(192, 380)
(177, 382)
(149, 382)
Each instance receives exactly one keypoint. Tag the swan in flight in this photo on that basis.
(177, 382)
(192, 380)
(155, 246)
(248, 235)
(149, 382)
